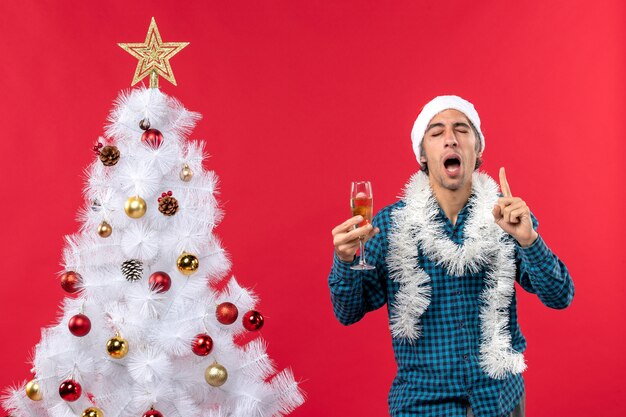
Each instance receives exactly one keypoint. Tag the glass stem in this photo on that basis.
(362, 247)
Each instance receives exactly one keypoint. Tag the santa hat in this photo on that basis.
(437, 105)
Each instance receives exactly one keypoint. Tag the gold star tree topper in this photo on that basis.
(154, 56)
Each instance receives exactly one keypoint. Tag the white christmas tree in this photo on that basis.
(144, 332)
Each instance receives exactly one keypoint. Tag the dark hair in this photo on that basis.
(479, 161)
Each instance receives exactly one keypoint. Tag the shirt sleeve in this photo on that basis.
(541, 272)
(354, 293)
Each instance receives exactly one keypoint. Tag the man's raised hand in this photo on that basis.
(513, 215)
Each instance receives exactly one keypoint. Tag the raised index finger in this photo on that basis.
(504, 185)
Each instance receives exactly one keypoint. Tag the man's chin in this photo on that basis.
(453, 184)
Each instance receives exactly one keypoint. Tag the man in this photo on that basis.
(447, 256)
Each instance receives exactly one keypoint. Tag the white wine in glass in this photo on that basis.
(362, 204)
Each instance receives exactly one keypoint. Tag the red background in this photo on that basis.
(299, 98)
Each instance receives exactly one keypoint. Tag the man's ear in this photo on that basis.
(422, 160)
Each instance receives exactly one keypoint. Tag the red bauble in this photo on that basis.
(152, 413)
(227, 313)
(160, 281)
(70, 390)
(202, 344)
(70, 281)
(152, 137)
(253, 320)
(79, 325)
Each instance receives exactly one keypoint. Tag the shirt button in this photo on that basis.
(458, 293)
(466, 357)
(461, 325)
(469, 391)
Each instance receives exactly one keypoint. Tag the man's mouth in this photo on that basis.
(452, 165)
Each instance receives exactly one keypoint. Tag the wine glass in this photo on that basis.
(362, 203)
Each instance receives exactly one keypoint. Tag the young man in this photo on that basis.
(447, 256)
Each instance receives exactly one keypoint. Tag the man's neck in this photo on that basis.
(452, 201)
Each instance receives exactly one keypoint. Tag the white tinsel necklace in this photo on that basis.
(486, 245)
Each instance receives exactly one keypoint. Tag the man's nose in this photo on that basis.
(450, 138)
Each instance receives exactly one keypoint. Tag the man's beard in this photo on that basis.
(453, 185)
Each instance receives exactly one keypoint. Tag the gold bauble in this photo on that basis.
(135, 207)
(33, 391)
(117, 347)
(105, 229)
(186, 174)
(215, 375)
(93, 412)
(187, 263)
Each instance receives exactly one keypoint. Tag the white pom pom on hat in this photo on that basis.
(437, 105)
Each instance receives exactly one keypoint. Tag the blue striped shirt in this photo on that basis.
(440, 373)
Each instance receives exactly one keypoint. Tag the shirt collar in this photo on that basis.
(460, 220)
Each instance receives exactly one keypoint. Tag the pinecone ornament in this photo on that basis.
(168, 205)
(109, 155)
(132, 270)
